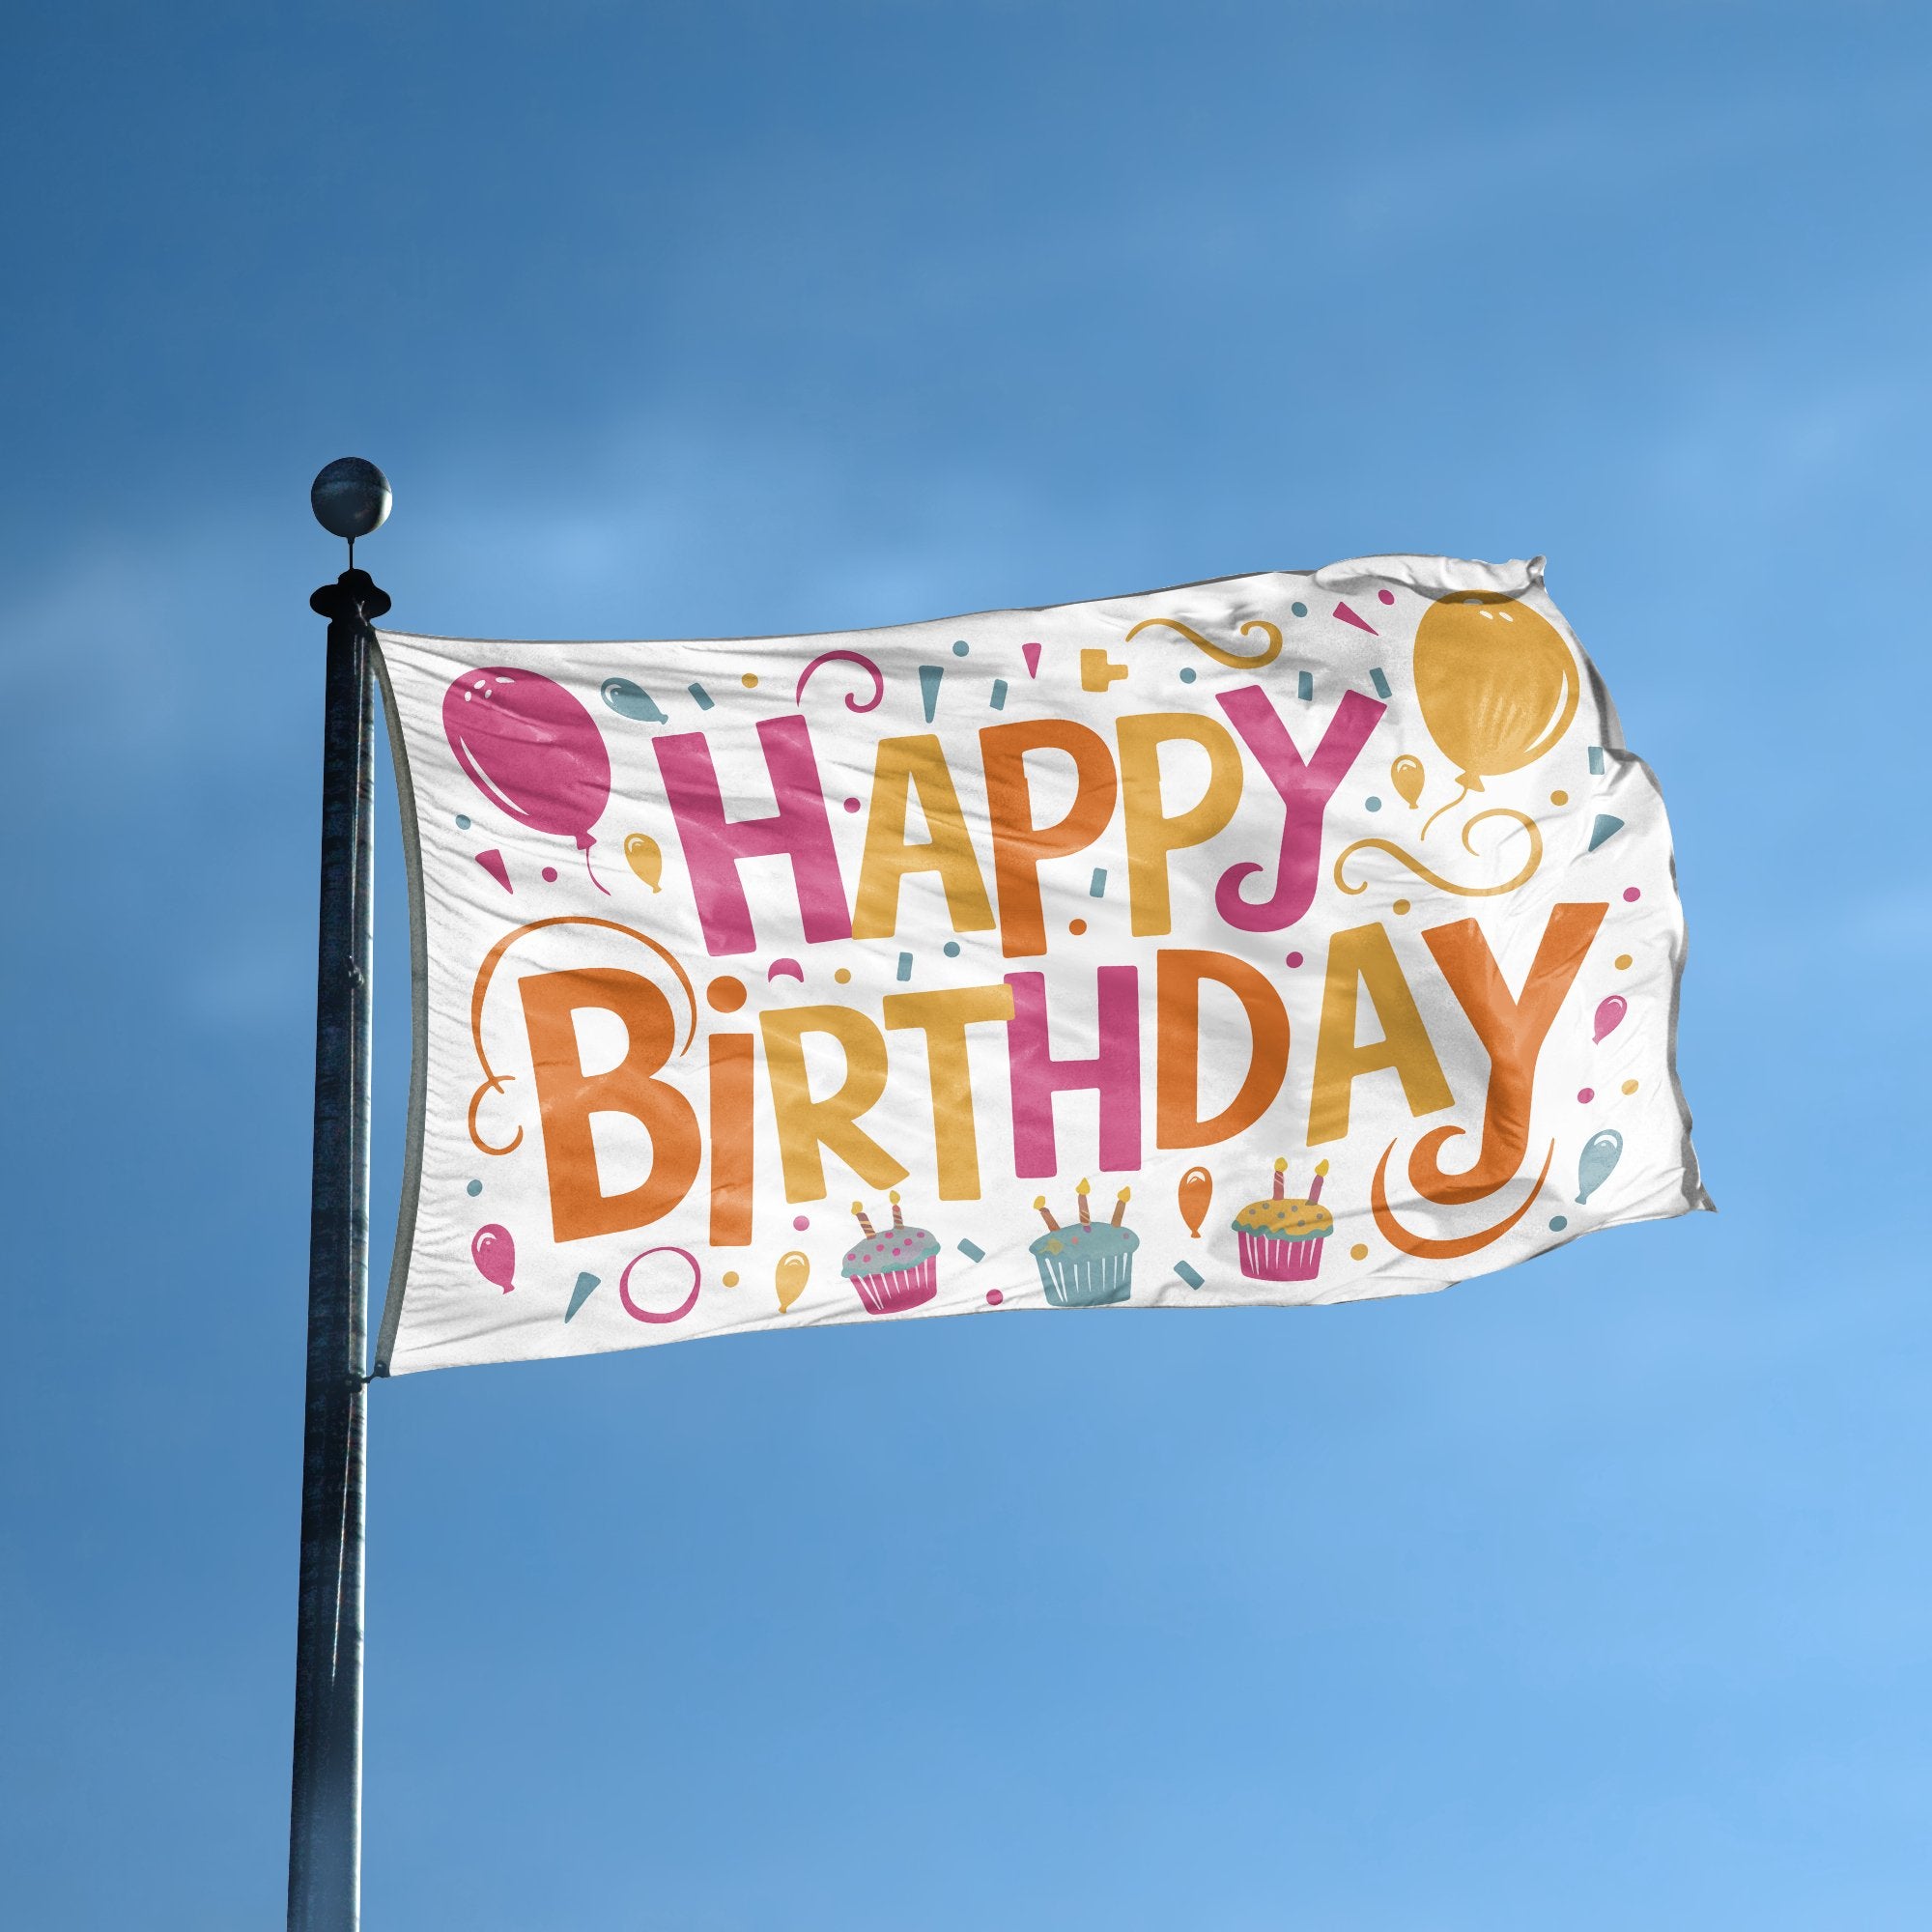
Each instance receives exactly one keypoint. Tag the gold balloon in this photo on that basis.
(647, 861)
(1406, 774)
(1497, 684)
(794, 1271)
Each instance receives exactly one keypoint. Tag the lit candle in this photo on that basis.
(1045, 1212)
(1120, 1205)
(858, 1208)
(1280, 1178)
(1086, 1214)
(1315, 1186)
(898, 1219)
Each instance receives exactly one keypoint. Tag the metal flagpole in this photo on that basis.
(351, 498)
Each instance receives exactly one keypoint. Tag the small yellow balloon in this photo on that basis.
(1406, 776)
(1497, 684)
(645, 859)
(794, 1271)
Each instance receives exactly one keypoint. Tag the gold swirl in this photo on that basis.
(1218, 652)
(1437, 879)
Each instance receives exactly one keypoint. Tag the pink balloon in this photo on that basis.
(494, 1254)
(531, 750)
(1609, 1015)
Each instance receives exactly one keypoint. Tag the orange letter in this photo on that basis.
(1178, 1064)
(567, 1097)
(1018, 843)
(943, 1017)
(1512, 1031)
(806, 1125)
(1151, 834)
(1357, 955)
(902, 766)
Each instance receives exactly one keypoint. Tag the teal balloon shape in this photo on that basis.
(1600, 1156)
(632, 700)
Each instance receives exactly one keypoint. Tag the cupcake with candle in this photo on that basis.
(894, 1270)
(1280, 1238)
(1085, 1264)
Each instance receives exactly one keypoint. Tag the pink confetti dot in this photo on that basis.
(1295, 959)
(1632, 895)
(549, 875)
(1387, 596)
(994, 1297)
(1587, 1094)
(851, 805)
(800, 1222)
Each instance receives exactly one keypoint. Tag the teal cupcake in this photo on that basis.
(1086, 1266)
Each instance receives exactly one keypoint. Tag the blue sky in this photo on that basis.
(1592, 1594)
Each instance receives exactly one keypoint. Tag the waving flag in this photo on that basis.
(1294, 938)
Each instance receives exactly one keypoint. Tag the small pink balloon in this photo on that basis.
(494, 1254)
(1609, 1015)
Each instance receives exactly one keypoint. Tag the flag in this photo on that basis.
(1285, 939)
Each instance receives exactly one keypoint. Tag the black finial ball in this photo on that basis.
(349, 498)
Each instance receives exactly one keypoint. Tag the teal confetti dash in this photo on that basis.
(1380, 682)
(580, 1295)
(704, 698)
(1604, 830)
(929, 687)
(1596, 761)
(1097, 890)
(998, 700)
(905, 965)
(1305, 685)
(1188, 1275)
(971, 1252)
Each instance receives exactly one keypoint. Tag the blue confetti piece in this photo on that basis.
(972, 1253)
(1604, 830)
(474, 1188)
(1596, 761)
(998, 700)
(703, 697)
(960, 647)
(1380, 682)
(1098, 888)
(928, 687)
(1188, 1275)
(952, 948)
(580, 1295)
(1305, 685)
(463, 821)
(905, 965)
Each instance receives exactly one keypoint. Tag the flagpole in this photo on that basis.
(350, 498)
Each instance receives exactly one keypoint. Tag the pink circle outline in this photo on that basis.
(678, 1313)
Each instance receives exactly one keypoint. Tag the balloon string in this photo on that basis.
(1434, 815)
(1437, 879)
(495, 1082)
(585, 844)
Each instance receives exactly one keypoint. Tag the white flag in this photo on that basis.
(1293, 938)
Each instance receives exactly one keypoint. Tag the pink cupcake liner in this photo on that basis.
(895, 1293)
(1265, 1260)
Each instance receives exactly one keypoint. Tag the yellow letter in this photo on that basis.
(900, 766)
(1151, 834)
(1362, 953)
(806, 1125)
(943, 1017)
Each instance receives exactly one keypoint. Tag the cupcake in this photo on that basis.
(892, 1272)
(1084, 1267)
(1281, 1241)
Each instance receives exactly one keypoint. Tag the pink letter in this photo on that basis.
(1114, 1072)
(714, 844)
(1305, 790)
